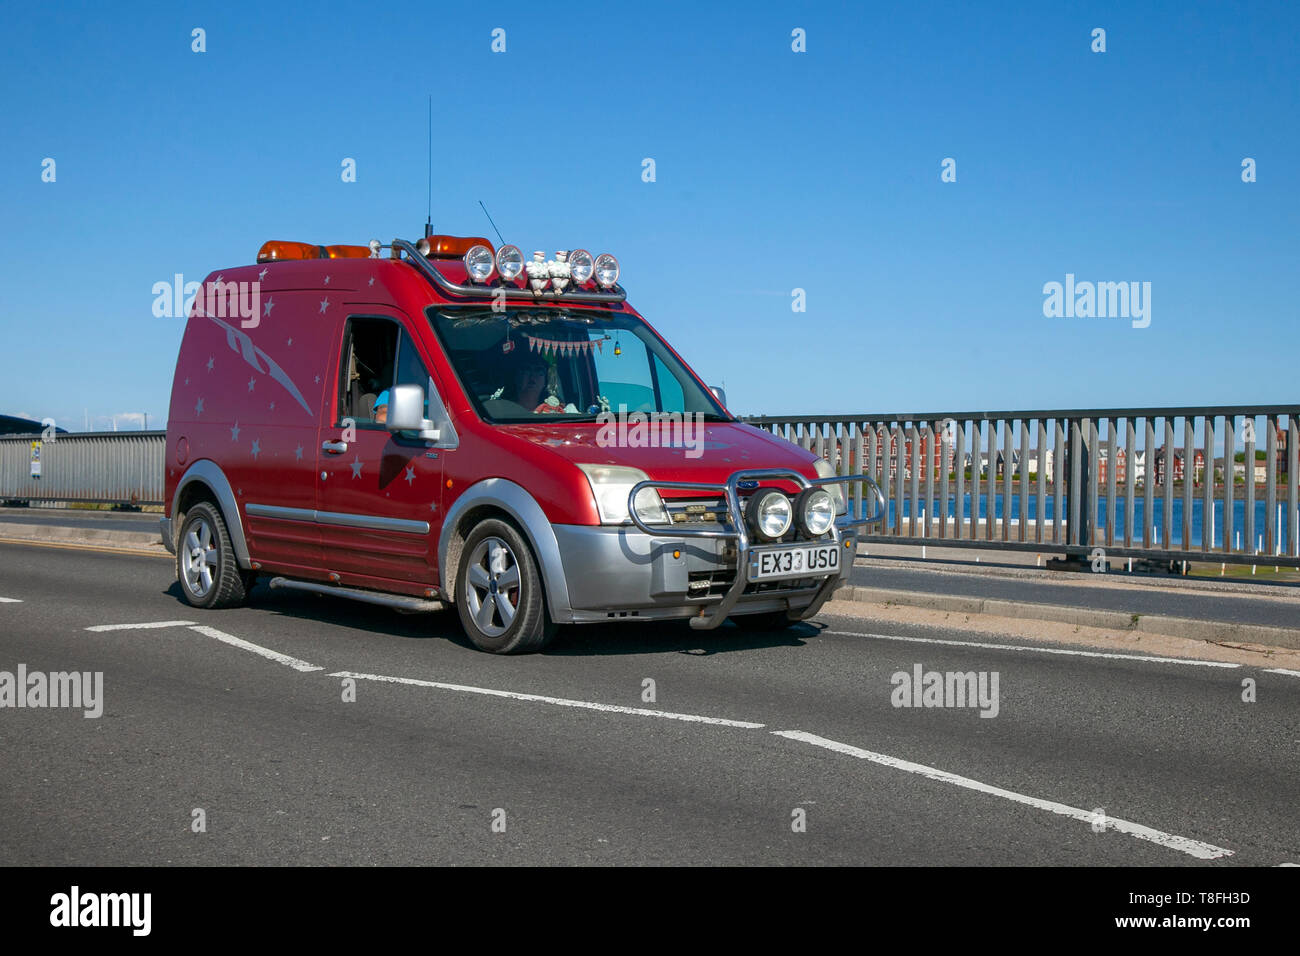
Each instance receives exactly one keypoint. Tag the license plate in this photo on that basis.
(797, 561)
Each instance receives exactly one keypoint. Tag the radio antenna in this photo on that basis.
(494, 225)
(428, 222)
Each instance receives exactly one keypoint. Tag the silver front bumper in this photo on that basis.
(648, 571)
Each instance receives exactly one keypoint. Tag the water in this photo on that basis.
(1198, 524)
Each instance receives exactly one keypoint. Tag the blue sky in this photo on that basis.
(775, 170)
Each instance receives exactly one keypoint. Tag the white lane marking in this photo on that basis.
(1038, 650)
(256, 648)
(138, 627)
(10, 601)
(1202, 851)
(559, 701)
(1281, 670)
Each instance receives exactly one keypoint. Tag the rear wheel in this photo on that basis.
(499, 592)
(206, 567)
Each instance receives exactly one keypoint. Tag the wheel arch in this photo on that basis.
(502, 497)
(204, 480)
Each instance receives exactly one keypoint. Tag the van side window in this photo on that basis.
(369, 360)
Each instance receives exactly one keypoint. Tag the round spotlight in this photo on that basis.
(422, 247)
(582, 265)
(510, 262)
(816, 510)
(770, 514)
(478, 263)
(606, 270)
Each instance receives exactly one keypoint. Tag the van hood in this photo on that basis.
(710, 453)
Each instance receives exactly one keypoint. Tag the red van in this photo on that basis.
(418, 424)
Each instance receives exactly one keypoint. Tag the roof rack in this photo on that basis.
(488, 290)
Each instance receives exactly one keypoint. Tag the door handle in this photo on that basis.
(335, 447)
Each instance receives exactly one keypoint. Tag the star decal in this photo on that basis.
(289, 344)
(324, 304)
(198, 407)
(234, 432)
(273, 406)
(410, 475)
(257, 449)
(266, 309)
(251, 383)
(209, 363)
(327, 280)
(297, 453)
(187, 381)
(372, 281)
(317, 379)
(356, 468)
(262, 275)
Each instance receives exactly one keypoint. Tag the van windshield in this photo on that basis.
(534, 365)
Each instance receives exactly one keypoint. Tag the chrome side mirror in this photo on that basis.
(406, 412)
(720, 394)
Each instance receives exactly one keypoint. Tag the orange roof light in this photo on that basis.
(348, 252)
(275, 250)
(450, 247)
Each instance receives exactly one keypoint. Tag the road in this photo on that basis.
(564, 748)
(1174, 597)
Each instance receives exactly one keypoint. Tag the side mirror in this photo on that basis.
(406, 412)
(720, 394)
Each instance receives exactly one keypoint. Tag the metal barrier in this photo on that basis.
(1072, 481)
(102, 467)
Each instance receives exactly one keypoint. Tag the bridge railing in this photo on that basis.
(1191, 484)
(100, 467)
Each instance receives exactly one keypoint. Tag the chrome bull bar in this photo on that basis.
(738, 532)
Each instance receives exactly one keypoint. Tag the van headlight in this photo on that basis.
(816, 508)
(826, 470)
(611, 485)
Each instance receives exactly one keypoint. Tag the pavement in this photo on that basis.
(312, 730)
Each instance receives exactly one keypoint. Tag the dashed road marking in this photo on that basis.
(1037, 650)
(11, 601)
(1202, 851)
(100, 628)
(255, 648)
(1281, 670)
(558, 701)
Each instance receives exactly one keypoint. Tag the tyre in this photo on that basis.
(499, 592)
(206, 567)
(767, 621)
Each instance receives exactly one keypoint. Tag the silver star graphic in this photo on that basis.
(262, 275)
(327, 280)
(266, 310)
(220, 276)
(187, 381)
(289, 343)
(356, 468)
(372, 281)
(209, 363)
(324, 304)
(297, 453)
(251, 383)
(234, 432)
(257, 449)
(198, 407)
(410, 475)
(317, 379)
(273, 406)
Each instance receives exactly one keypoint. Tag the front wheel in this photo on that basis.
(499, 592)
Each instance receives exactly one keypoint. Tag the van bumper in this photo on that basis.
(621, 572)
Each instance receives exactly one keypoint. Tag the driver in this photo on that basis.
(528, 381)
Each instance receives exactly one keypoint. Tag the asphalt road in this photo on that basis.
(1177, 598)
(585, 770)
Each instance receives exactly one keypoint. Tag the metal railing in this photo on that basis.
(1162, 483)
(101, 467)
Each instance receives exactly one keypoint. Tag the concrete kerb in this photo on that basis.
(1219, 632)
